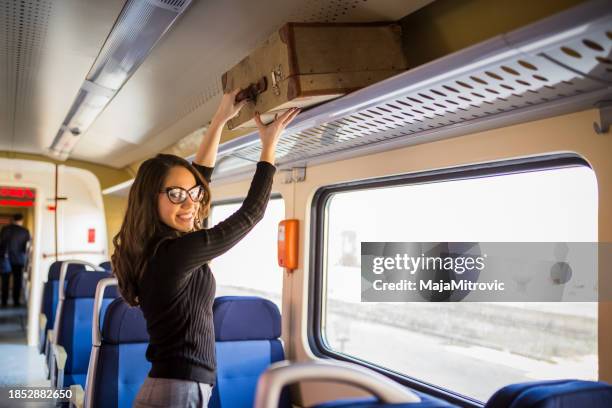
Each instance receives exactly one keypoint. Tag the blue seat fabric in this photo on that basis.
(538, 394)
(51, 294)
(74, 332)
(427, 401)
(553, 394)
(122, 366)
(247, 331)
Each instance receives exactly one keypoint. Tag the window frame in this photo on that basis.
(317, 253)
(236, 200)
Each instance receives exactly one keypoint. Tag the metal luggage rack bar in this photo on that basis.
(558, 65)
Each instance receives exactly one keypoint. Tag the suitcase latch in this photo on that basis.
(277, 77)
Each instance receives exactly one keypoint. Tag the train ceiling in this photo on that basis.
(47, 48)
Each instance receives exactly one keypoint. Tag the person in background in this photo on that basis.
(13, 242)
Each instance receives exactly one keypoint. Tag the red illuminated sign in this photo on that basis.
(17, 197)
(17, 192)
(16, 203)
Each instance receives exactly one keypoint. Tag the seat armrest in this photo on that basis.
(42, 322)
(77, 399)
(49, 354)
(59, 358)
(49, 342)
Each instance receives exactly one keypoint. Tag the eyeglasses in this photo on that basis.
(178, 195)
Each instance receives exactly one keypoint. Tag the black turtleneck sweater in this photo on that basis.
(177, 289)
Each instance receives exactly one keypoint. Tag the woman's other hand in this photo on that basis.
(228, 108)
(270, 133)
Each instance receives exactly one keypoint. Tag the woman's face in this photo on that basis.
(178, 216)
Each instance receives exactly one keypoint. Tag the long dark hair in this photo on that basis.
(142, 229)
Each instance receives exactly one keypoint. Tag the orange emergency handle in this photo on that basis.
(288, 233)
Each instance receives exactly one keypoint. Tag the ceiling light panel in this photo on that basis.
(139, 27)
(178, 87)
(141, 24)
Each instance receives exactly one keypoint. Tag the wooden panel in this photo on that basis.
(447, 26)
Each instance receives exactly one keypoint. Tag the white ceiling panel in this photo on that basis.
(178, 86)
(46, 49)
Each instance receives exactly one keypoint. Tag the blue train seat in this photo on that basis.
(247, 332)
(74, 326)
(118, 367)
(553, 394)
(537, 394)
(50, 297)
(106, 265)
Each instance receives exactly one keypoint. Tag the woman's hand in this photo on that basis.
(270, 133)
(228, 108)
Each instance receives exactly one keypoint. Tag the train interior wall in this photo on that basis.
(566, 133)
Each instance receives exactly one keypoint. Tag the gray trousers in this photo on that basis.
(171, 393)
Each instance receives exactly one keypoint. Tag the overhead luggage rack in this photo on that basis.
(558, 65)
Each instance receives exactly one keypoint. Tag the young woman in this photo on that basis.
(162, 252)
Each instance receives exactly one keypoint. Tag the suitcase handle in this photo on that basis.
(250, 92)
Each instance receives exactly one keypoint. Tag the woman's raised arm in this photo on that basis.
(207, 152)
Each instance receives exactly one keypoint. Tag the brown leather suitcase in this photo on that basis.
(305, 64)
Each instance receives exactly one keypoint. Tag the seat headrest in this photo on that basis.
(124, 324)
(83, 285)
(245, 318)
(55, 268)
(555, 393)
(106, 265)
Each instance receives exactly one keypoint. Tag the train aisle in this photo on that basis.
(21, 364)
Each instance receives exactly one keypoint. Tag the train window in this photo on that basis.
(250, 268)
(469, 348)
